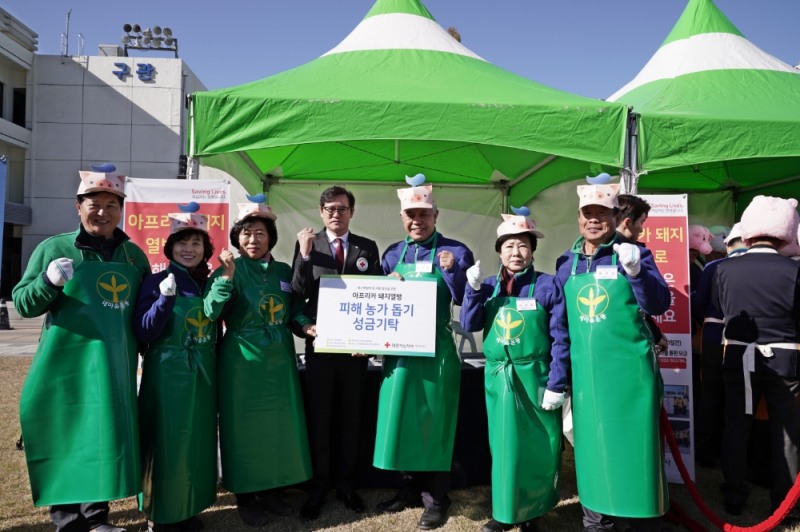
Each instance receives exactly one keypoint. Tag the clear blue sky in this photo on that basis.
(588, 47)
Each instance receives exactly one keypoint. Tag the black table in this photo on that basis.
(471, 457)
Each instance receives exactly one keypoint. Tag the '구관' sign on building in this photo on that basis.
(376, 316)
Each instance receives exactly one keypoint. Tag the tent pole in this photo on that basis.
(630, 170)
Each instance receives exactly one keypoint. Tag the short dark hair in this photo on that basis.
(180, 236)
(81, 197)
(247, 223)
(331, 192)
(632, 207)
(531, 238)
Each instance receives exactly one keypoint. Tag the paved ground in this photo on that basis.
(23, 337)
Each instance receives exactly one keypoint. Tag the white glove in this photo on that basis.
(59, 271)
(168, 286)
(630, 257)
(553, 400)
(474, 275)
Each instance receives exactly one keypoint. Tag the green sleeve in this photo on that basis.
(33, 296)
(218, 292)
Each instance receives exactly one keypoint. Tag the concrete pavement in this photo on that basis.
(23, 338)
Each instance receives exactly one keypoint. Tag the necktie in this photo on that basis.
(339, 255)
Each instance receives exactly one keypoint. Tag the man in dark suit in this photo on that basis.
(334, 381)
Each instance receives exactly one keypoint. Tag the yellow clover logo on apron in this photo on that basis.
(272, 308)
(508, 326)
(196, 325)
(114, 289)
(592, 303)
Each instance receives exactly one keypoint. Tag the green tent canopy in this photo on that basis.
(715, 112)
(400, 96)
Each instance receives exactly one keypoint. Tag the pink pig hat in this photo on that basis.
(700, 238)
(603, 195)
(102, 179)
(256, 207)
(518, 223)
(188, 218)
(419, 196)
(771, 217)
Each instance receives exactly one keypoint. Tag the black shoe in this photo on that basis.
(271, 501)
(105, 527)
(251, 513)
(192, 524)
(311, 509)
(351, 501)
(733, 508)
(402, 500)
(432, 518)
(495, 526)
(529, 526)
(163, 527)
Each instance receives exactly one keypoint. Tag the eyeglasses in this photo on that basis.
(334, 210)
(258, 235)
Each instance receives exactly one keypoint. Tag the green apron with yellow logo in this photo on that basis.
(524, 439)
(418, 403)
(617, 391)
(78, 404)
(178, 416)
(262, 425)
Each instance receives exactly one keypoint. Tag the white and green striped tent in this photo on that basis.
(398, 96)
(715, 112)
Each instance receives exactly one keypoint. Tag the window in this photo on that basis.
(18, 107)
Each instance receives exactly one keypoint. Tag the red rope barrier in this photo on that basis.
(770, 523)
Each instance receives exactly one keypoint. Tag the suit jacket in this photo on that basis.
(305, 278)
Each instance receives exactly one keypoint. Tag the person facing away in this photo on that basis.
(758, 294)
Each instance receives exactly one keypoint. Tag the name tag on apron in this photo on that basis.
(526, 303)
(424, 266)
(606, 272)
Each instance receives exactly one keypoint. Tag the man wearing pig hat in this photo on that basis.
(78, 404)
(759, 295)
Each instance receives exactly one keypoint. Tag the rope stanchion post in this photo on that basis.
(766, 525)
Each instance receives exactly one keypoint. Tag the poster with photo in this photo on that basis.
(666, 235)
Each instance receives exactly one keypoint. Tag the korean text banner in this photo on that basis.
(149, 201)
(666, 235)
(376, 316)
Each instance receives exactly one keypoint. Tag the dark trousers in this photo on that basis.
(710, 408)
(597, 521)
(783, 406)
(431, 486)
(79, 517)
(335, 385)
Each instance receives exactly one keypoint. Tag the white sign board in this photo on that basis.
(376, 316)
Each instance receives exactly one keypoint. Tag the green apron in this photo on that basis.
(524, 439)
(78, 403)
(262, 425)
(418, 402)
(178, 416)
(617, 391)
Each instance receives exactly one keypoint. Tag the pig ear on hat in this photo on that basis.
(256, 207)
(101, 179)
(188, 218)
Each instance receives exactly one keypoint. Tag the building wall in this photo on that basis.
(83, 113)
